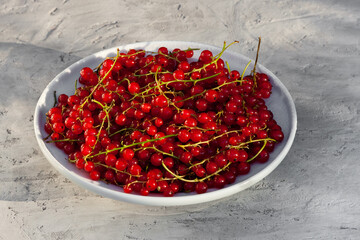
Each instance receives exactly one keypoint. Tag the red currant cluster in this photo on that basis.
(158, 122)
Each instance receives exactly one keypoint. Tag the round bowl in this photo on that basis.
(280, 103)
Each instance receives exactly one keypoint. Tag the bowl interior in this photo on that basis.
(280, 103)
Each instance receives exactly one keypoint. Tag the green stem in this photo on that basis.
(215, 173)
(196, 179)
(208, 141)
(256, 60)
(55, 99)
(123, 130)
(177, 176)
(63, 140)
(257, 154)
(162, 152)
(132, 145)
(109, 167)
(256, 140)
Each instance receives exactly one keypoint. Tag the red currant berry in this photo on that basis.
(184, 136)
(95, 175)
(135, 169)
(128, 154)
(89, 166)
(278, 135)
(201, 187)
(211, 96)
(151, 184)
(134, 88)
(243, 168)
(121, 164)
(205, 56)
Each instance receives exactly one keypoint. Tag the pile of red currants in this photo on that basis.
(165, 122)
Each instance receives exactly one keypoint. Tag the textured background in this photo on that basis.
(312, 46)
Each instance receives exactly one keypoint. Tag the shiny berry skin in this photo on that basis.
(128, 189)
(134, 88)
(184, 66)
(230, 177)
(73, 100)
(80, 163)
(162, 186)
(110, 160)
(263, 156)
(189, 53)
(135, 135)
(62, 98)
(56, 117)
(151, 184)
(146, 107)
(190, 122)
(262, 77)
(121, 119)
(199, 171)
(89, 166)
(94, 175)
(201, 187)
(156, 159)
(85, 149)
(205, 56)
(128, 154)
(211, 167)
(54, 110)
(220, 160)
(154, 174)
(201, 105)
(121, 164)
(109, 175)
(185, 114)
(151, 130)
(232, 106)
(179, 74)
(58, 127)
(144, 191)
(262, 134)
(76, 128)
(211, 96)
(168, 192)
(169, 162)
(186, 157)
(243, 168)
(219, 181)
(203, 118)
(161, 101)
(278, 135)
(196, 135)
(195, 75)
(234, 75)
(184, 136)
(242, 155)
(86, 73)
(196, 90)
(156, 68)
(135, 169)
(246, 131)
(159, 122)
(163, 50)
(233, 155)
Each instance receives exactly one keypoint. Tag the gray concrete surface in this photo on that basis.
(312, 46)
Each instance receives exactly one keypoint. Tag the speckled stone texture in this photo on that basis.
(312, 46)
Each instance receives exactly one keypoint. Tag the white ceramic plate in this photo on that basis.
(280, 103)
